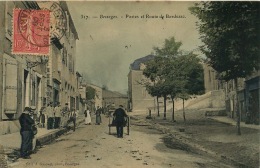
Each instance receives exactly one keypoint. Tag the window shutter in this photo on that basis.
(10, 87)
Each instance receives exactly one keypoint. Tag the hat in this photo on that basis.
(121, 106)
(27, 109)
(33, 108)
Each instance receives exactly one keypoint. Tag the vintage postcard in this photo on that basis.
(129, 84)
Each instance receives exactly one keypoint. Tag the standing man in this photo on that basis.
(42, 117)
(57, 111)
(65, 115)
(26, 123)
(50, 116)
(34, 128)
(120, 115)
(73, 116)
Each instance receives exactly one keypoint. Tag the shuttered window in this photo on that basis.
(10, 78)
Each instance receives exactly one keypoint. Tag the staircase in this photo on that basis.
(212, 99)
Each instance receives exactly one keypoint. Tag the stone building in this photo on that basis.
(248, 94)
(214, 88)
(22, 77)
(83, 97)
(139, 98)
(211, 81)
(98, 97)
(252, 98)
(27, 80)
(61, 73)
(114, 98)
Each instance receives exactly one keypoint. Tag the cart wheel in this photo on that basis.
(128, 126)
(109, 126)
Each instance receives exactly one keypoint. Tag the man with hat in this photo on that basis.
(120, 115)
(57, 113)
(50, 116)
(65, 115)
(26, 132)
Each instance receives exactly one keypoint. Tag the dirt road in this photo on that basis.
(219, 139)
(92, 146)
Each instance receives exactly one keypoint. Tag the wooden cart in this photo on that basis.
(112, 125)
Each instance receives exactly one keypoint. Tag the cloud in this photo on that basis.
(101, 51)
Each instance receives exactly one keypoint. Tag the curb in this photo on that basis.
(8, 156)
(48, 138)
(3, 162)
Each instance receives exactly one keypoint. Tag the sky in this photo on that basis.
(114, 34)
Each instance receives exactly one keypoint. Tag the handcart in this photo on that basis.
(112, 124)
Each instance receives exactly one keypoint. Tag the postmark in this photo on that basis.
(58, 21)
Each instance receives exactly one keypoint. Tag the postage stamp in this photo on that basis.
(35, 30)
(31, 32)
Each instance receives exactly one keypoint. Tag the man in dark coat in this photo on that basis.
(26, 132)
(120, 115)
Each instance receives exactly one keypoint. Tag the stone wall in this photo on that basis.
(8, 127)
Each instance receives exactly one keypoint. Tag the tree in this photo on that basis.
(230, 32)
(176, 80)
(191, 72)
(152, 72)
(173, 74)
(91, 92)
(167, 54)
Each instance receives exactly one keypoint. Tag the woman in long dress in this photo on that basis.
(98, 116)
(87, 117)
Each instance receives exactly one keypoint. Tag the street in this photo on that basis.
(186, 74)
(92, 146)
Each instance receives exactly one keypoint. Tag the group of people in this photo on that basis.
(119, 115)
(58, 117)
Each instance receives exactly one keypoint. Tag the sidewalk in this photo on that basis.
(222, 119)
(11, 142)
(227, 120)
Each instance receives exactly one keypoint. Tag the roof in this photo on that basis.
(136, 64)
(115, 94)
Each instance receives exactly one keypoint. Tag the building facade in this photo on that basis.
(111, 98)
(27, 80)
(252, 98)
(248, 94)
(98, 97)
(61, 74)
(139, 99)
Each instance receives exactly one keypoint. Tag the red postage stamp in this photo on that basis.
(31, 32)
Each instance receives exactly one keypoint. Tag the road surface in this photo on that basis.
(91, 146)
